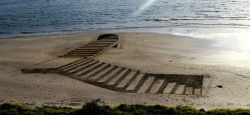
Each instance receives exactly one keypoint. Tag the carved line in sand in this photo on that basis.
(119, 78)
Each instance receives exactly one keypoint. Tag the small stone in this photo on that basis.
(219, 86)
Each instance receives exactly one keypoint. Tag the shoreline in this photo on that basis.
(151, 53)
(188, 32)
(87, 32)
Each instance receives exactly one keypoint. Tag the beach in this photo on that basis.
(147, 52)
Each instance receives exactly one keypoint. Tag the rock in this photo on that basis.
(219, 86)
(202, 110)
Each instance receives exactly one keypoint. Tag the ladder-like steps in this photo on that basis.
(180, 89)
(72, 67)
(146, 84)
(71, 64)
(90, 74)
(117, 70)
(124, 79)
(82, 67)
(119, 76)
(93, 48)
(89, 69)
(99, 42)
(96, 44)
(156, 86)
(102, 74)
(85, 51)
(87, 48)
(169, 88)
(135, 82)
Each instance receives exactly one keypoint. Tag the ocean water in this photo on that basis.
(209, 19)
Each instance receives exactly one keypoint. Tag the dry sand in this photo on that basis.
(151, 53)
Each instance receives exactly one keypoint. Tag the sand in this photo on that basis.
(151, 53)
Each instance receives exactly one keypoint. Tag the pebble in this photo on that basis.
(219, 86)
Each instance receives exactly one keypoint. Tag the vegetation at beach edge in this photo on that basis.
(98, 107)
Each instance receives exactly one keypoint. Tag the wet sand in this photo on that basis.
(150, 53)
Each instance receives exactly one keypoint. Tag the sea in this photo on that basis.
(202, 19)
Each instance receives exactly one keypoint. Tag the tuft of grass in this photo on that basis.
(55, 111)
(157, 109)
(229, 112)
(98, 107)
(13, 109)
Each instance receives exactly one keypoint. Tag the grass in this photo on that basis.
(98, 107)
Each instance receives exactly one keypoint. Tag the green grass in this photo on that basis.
(13, 109)
(98, 107)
